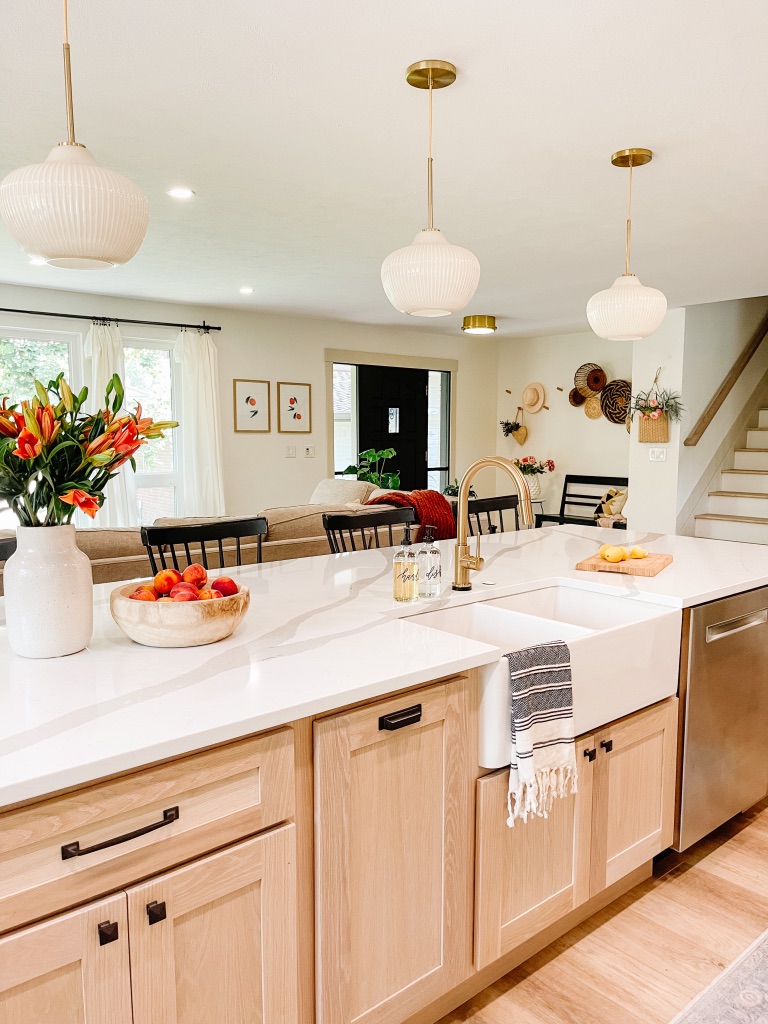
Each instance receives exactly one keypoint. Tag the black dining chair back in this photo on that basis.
(581, 495)
(359, 531)
(486, 515)
(162, 542)
(7, 548)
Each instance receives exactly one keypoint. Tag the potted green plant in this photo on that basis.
(370, 467)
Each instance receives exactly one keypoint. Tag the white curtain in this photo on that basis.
(202, 480)
(104, 356)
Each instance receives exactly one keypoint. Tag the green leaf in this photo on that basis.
(368, 456)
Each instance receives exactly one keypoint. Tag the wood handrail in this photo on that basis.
(724, 390)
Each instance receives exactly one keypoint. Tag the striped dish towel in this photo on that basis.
(541, 709)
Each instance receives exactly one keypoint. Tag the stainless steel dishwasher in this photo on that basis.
(723, 768)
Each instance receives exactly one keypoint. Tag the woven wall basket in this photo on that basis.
(653, 431)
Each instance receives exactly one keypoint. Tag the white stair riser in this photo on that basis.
(744, 482)
(723, 506)
(763, 419)
(757, 439)
(750, 460)
(746, 533)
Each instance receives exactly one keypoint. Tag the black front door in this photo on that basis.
(392, 413)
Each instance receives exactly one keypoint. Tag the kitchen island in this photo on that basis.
(276, 761)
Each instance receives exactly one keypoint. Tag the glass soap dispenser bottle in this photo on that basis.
(430, 571)
(406, 571)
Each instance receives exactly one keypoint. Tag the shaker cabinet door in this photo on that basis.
(72, 969)
(633, 805)
(215, 941)
(529, 876)
(393, 806)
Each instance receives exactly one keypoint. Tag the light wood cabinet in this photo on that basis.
(394, 836)
(633, 804)
(71, 970)
(530, 876)
(216, 940)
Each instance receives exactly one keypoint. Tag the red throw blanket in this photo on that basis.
(432, 509)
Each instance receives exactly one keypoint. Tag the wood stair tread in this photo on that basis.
(738, 494)
(732, 519)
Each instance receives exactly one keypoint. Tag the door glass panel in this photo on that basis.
(344, 416)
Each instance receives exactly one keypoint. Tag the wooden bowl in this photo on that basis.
(177, 623)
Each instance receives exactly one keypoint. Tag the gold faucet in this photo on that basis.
(462, 560)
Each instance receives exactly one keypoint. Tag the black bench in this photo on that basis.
(580, 493)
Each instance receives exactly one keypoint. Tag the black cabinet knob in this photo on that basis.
(590, 754)
(108, 932)
(156, 912)
(607, 745)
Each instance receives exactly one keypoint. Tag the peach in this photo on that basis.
(149, 588)
(161, 599)
(206, 595)
(185, 595)
(166, 580)
(195, 573)
(225, 585)
(142, 595)
(183, 586)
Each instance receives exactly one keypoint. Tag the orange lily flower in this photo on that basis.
(47, 422)
(9, 425)
(85, 502)
(27, 445)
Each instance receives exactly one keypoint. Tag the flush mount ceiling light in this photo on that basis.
(627, 311)
(480, 324)
(246, 291)
(70, 212)
(179, 192)
(430, 277)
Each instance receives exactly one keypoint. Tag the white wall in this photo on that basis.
(564, 433)
(275, 347)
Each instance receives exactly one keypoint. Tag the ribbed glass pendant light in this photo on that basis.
(628, 310)
(70, 212)
(430, 277)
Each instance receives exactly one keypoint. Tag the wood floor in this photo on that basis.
(643, 959)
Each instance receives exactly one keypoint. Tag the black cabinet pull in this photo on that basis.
(590, 754)
(399, 719)
(607, 745)
(170, 815)
(156, 912)
(108, 932)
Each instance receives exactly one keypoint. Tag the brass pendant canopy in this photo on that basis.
(479, 324)
(632, 157)
(441, 73)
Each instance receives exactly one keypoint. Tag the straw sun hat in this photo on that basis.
(533, 397)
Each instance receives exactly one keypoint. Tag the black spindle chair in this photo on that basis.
(481, 511)
(161, 541)
(341, 528)
(581, 495)
(7, 548)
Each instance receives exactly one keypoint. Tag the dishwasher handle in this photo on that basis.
(722, 629)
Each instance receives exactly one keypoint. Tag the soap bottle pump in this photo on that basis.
(406, 571)
(430, 570)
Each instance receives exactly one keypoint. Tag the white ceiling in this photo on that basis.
(306, 148)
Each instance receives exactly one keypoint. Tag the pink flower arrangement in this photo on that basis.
(530, 466)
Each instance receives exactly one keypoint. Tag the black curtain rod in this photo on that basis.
(115, 319)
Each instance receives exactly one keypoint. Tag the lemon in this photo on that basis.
(638, 552)
(615, 554)
(603, 549)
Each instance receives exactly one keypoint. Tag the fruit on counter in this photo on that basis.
(166, 599)
(183, 586)
(614, 553)
(207, 595)
(185, 595)
(166, 580)
(196, 574)
(603, 549)
(225, 585)
(638, 552)
(143, 594)
(148, 587)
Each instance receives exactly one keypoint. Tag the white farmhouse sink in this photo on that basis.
(624, 654)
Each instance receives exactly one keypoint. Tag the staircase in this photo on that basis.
(739, 510)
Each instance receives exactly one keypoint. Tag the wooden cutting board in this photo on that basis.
(649, 566)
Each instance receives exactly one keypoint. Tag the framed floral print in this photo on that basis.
(294, 408)
(251, 406)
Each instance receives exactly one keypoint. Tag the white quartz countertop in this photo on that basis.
(320, 633)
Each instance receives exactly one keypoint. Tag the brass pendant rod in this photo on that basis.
(430, 223)
(68, 82)
(627, 271)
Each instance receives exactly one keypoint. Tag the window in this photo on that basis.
(150, 381)
(438, 428)
(345, 449)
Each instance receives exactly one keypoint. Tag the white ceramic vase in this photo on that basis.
(48, 593)
(534, 486)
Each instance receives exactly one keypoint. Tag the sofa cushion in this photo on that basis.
(292, 521)
(336, 491)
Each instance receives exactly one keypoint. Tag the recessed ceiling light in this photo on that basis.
(37, 261)
(180, 193)
(246, 291)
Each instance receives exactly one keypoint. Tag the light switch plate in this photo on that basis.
(290, 451)
(309, 451)
(657, 454)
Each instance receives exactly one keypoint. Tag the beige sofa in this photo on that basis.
(295, 531)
